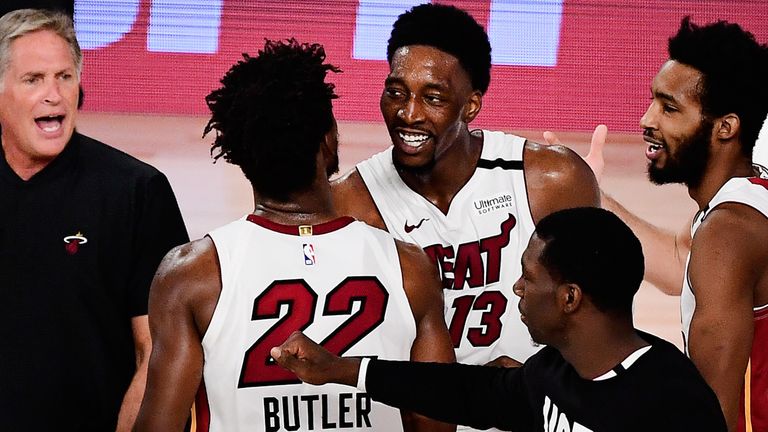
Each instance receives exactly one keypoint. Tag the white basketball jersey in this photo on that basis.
(751, 191)
(341, 284)
(477, 246)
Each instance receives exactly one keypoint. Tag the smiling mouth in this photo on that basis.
(654, 149)
(50, 123)
(413, 139)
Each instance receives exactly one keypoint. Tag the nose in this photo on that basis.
(52, 93)
(519, 287)
(649, 120)
(411, 111)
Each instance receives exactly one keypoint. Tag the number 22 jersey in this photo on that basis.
(476, 246)
(340, 283)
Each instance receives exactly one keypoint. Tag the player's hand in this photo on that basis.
(314, 364)
(594, 158)
(504, 362)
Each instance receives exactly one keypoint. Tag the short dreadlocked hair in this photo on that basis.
(450, 30)
(734, 67)
(271, 114)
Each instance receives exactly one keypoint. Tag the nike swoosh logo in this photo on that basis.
(409, 228)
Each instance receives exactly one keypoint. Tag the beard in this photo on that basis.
(333, 165)
(688, 163)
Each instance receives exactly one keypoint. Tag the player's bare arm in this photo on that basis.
(433, 342)
(724, 273)
(142, 343)
(183, 295)
(351, 198)
(556, 179)
(665, 251)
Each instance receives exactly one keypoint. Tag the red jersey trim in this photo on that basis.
(758, 181)
(201, 411)
(323, 228)
(754, 404)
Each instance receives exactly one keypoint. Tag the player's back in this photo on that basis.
(340, 283)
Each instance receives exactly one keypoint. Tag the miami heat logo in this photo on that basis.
(73, 242)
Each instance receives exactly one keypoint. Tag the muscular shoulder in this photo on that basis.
(188, 279)
(413, 258)
(420, 278)
(351, 198)
(728, 259)
(557, 178)
(735, 229)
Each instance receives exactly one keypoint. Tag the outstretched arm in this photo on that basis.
(181, 300)
(477, 396)
(665, 251)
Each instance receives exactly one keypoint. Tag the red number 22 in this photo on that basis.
(259, 369)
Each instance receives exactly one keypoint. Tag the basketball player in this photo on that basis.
(470, 199)
(701, 129)
(581, 270)
(219, 304)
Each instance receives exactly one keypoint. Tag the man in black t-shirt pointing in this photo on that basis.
(581, 271)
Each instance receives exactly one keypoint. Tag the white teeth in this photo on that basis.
(413, 140)
(655, 147)
(49, 124)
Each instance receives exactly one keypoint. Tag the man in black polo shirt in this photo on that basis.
(82, 229)
(581, 271)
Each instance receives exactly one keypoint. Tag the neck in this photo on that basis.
(24, 166)
(600, 346)
(720, 169)
(310, 207)
(450, 172)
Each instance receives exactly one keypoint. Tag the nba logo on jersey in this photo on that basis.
(309, 254)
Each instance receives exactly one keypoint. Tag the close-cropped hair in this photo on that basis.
(592, 248)
(271, 114)
(18, 23)
(450, 30)
(734, 68)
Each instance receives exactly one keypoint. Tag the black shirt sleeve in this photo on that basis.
(477, 396)
(159, 229)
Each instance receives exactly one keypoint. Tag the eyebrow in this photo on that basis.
(435, 85)
(662, 95)
(32, 74)
(392, 80)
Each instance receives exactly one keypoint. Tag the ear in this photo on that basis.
(570, 297)
(330, 141)
(473, 106)
(727, 127)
